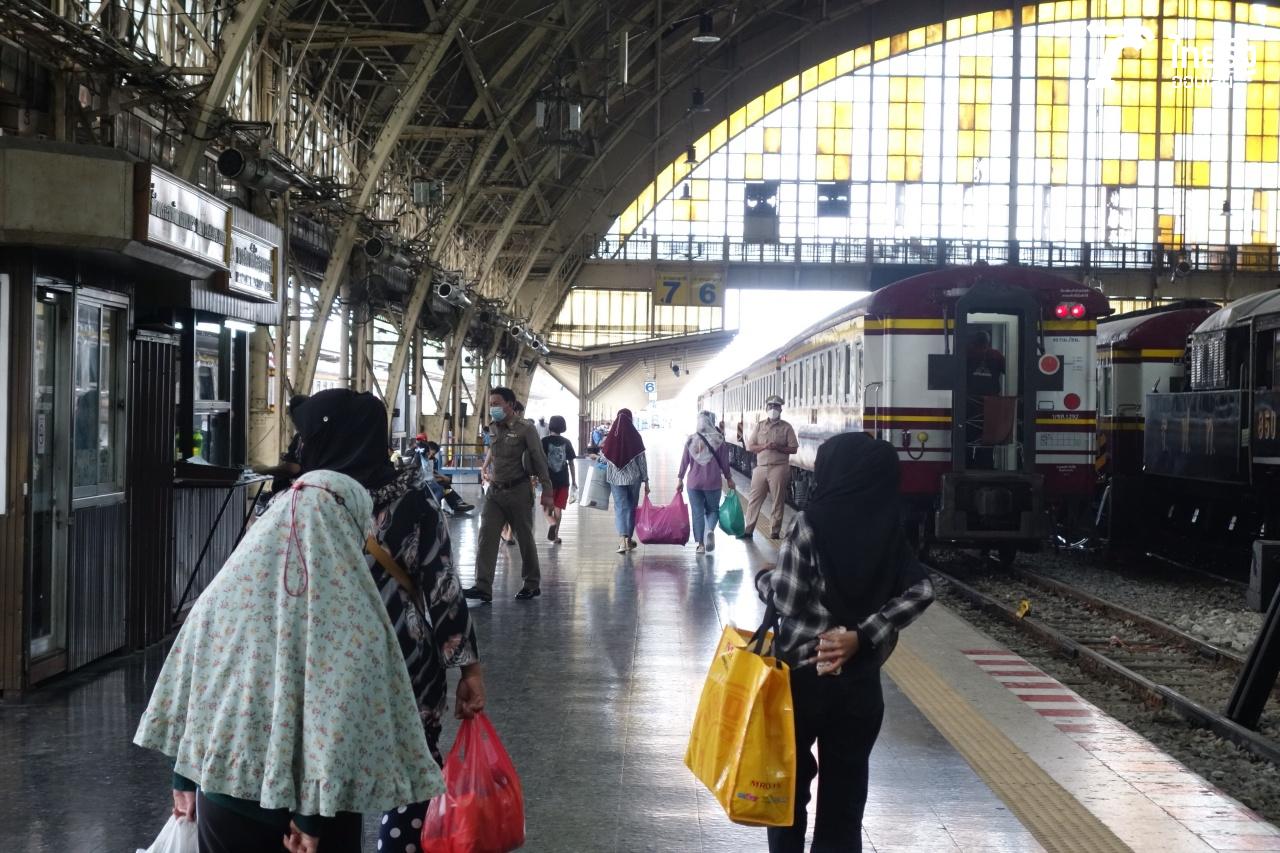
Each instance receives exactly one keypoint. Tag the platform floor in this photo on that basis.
(593, 687)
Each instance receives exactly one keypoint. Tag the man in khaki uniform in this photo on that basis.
(773, 441)
(513, 444)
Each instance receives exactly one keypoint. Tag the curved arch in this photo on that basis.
(1151, 145)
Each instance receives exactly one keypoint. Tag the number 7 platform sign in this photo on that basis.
(689, 290)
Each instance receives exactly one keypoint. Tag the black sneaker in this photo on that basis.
(551, 532)
(526, 594)
(463, 508)
(477, 593)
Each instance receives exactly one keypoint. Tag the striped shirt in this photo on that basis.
(635, 471)
(797, 588)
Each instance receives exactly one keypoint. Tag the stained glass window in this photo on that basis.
(1101, 121)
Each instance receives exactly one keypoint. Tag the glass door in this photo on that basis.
(51, 473)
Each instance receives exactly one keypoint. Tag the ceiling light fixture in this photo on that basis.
(698, 101)
(706, 29)
(691, 155)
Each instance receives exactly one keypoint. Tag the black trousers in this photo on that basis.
(843, 715)
(223, 830)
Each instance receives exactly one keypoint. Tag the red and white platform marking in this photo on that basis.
(1224, 824)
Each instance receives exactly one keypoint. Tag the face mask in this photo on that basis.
(775, 414)
(497, 413)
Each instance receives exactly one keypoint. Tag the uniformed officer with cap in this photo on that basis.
(773, 441)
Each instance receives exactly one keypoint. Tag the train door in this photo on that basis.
(993, 423)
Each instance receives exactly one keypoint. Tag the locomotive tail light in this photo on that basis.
(1071, 401)
(1062, 310)
(1077, 310)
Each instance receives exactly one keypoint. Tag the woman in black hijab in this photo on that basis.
(846, 583)
(347, 432)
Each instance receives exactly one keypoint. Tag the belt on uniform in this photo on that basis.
(509, 483)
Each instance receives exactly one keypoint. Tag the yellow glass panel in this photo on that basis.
(953, 29)
(1059, 146)
(964, 170)
(826, 113)
(773, 140)
(1129, 120)
(1044, 67)
(881, 49)
(773, 99)
(791, 89)
(982, 143)
(897, 115)
(933, 34)
(1270, 149)
(843, 167)
(753, 167)
(964, 144)
(1253, 121)
(681, 209)
(719, 135)
(862, 56)
(1222, 10)
(982, 93)
(914, 168)
(1061, 116)
(1042, 145)
(1044, 118)
(664, 181)
(627, 221)
(1172, 8)
(1003, 19)
(1147, 93)
(1046, 13)
(915, 141)
(896, 142)
(1150, 8)
(1147, 146)
(700, 188)
(1128, 172)
(844, 141)
(1147, 120)
(1062, 67)
(826, 71)
(897, 89)
(1058, 172)
(985, 22)
(984, 66)
(1132, 8)
(826, 140)
(824, 168)
(1270, 123)
(982, 117)
(966, 88)
(915, 89)
(965, 119)
(895, 168)
(1066, 10)
(915, 39)
(969, 25)
(844, 114)
(737, 121)
(1110, 172)
(808, 79)
(844, 62)
(1253, 149)
(1028, 14)
(1061, 91)
(1166, 146)
(915, 115)
(897, 44)
(1271, 96)
(1044, 91)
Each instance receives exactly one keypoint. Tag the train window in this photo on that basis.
(830, 370)
(822, 368)
(1104, 389)
(859, 375)
(848, 370)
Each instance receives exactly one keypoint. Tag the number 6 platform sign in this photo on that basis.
(689, 290)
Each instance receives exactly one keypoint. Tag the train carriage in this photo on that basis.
(983, 377)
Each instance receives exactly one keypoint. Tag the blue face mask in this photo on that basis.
(497, 413)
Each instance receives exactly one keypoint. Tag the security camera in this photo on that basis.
(453, 294)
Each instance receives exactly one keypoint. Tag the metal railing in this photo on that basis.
(940, 252)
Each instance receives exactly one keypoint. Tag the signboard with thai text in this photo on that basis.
(252, 266)
(175, 215)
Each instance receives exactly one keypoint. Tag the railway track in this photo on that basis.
(1161, 665)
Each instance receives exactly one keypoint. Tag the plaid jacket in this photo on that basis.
(797, 588)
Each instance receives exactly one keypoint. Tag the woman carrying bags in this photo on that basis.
(706, 458)
(623, 449)
(846, 583)
(285, 679)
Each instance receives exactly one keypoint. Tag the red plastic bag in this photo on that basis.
(482, 809)
(663, 525)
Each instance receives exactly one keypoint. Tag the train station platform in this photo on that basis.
(593, 687)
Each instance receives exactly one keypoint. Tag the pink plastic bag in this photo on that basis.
(482, 809)
(663, 525)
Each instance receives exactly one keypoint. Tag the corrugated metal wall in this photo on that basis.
(194, 511)
(96, 580)
(154, 366)
(13, 523)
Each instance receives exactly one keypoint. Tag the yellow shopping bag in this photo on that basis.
(743, 745)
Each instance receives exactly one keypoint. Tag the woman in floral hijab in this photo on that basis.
(285, 699)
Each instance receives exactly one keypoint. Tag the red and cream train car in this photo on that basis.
(983, 377)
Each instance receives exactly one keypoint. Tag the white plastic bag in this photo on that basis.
(595, 493)
(177, 836)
